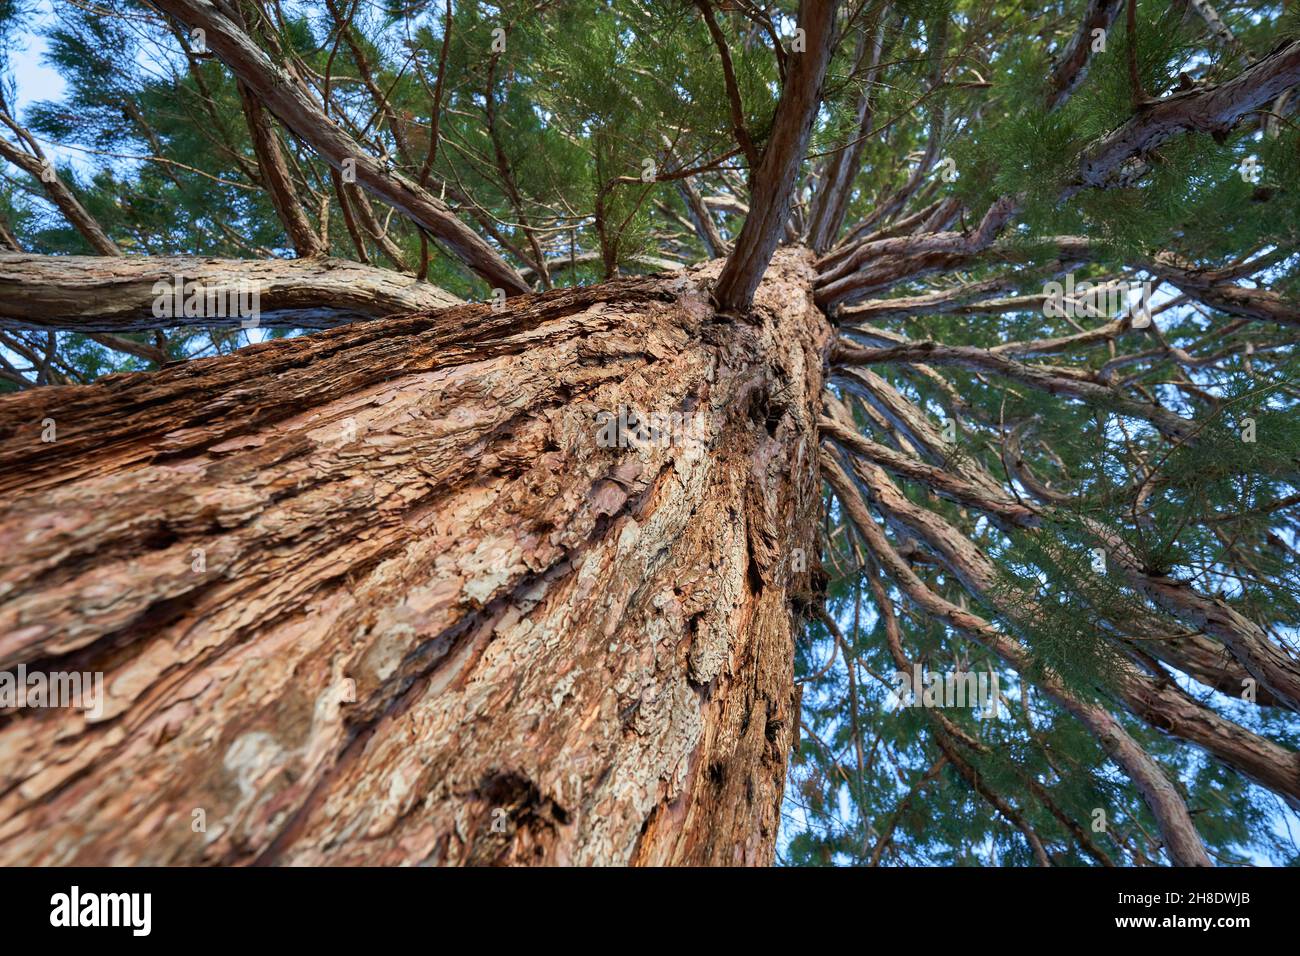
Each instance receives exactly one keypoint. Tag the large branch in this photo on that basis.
(702, 220)
(872, 266)
(275, 176)
(1072, 66)
(92, 294)
(1055, 380)
(1210, 663)
(1167, 805)
(944, 481)
(933, 303)
(1159, 701)
(1155, 700)
(774, 180)
(969, 485)
(1213, 109)
(296, 110)
(1268, 663)
(1213, 287)
(867, 267)
(738, 127)
(38, 166)
(831, 200)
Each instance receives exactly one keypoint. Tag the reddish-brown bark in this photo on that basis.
(1072, 65)
(555, 652)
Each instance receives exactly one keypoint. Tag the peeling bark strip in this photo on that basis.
(93, 294)
(295, 109)
(378, 596)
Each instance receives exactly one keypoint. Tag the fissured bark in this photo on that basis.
(378, 595)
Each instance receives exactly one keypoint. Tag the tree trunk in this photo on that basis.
(379, 595)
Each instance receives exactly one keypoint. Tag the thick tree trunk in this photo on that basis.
(379, 595)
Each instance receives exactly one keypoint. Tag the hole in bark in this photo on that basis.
(754, 574)
(717, 774)
(760, 410)
(521, 799)
(529, 821)
(654, 813)
(771, 730)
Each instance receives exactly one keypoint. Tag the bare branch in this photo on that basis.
(88, 294)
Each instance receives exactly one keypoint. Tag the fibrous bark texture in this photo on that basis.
(379, 595)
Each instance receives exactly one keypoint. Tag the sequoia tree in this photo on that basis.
(535, 432)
